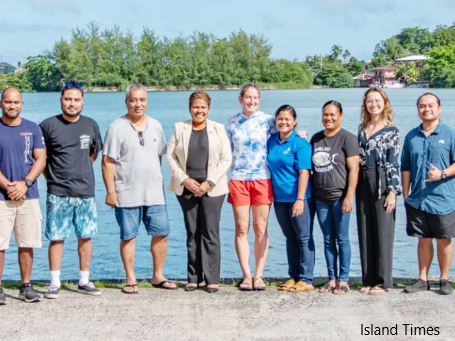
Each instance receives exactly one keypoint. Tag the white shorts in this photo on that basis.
(24, 217)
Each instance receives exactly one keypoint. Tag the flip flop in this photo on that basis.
(287, 285)
(130, 286)
(344, 290)
(162, 286)
(328, 289)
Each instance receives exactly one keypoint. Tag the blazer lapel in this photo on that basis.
(186, 137)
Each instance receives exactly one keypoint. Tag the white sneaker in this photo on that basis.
(52, 292)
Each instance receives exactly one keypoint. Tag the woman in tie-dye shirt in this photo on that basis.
(250, 184)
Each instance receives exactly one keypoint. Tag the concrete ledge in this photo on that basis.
(230, 314)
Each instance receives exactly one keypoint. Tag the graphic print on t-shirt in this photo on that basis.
(85, 141)
(322, 159)
(27, 137)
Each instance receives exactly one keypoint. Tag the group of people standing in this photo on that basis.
(268, 162)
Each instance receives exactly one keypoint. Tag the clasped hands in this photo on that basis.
(195, 187)
(17, 190)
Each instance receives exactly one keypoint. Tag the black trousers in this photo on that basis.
(376, 228)
(202, 222)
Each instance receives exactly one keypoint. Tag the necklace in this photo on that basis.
(428, 129)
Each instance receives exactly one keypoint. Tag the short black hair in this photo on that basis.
(426, 94)
(335, 103)
(5, 90)
(72, 87)
(286, 107)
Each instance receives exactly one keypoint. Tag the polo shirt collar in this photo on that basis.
(289, 139)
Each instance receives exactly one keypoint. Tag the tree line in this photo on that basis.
(115, 58)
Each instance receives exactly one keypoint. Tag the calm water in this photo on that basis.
(170, 107)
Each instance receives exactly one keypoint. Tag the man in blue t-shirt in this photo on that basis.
(22, 159)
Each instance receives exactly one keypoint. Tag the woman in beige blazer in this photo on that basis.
(198, 156)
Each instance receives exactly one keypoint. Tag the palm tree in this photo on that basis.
(346, 54)
(337, 50)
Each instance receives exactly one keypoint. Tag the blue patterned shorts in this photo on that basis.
(62, 212)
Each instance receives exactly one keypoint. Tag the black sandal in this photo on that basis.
(130, 286)
(344, 290)
(329, 289)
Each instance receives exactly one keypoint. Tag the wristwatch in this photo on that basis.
(211, 183)
(443, 175)
(28, 183)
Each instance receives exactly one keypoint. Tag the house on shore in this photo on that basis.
(385, 76)
(418, 60)
(363, 81)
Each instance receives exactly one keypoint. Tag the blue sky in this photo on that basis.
(296, 28)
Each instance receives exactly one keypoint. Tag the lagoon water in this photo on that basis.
(170, 107)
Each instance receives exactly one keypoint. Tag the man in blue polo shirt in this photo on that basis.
(428, 168)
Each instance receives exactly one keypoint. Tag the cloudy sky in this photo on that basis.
(296, 28)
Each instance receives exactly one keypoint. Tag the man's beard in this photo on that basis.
(71, 114)
(10, 115)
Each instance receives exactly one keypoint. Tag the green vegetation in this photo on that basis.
(114, 58)
(439, 45)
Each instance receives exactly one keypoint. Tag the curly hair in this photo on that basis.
(200, 95)
(386, 115)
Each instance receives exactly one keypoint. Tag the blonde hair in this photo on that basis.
(386, 114)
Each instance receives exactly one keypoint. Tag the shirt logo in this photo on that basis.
(287, 151)
(441, 141)
(85, 141)
(323, 161)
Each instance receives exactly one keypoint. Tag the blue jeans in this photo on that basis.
(299, 239)
(335, 228)
(154, 218)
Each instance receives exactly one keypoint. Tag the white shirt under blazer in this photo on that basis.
(219, 161)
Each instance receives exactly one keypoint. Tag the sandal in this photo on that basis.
(301, 287)
(246, 285)
(134, 290)
(365, 290)
(162, 285)
(376, 291)
(260, 286)
(287, 285)
(342, 290)
(326, 289)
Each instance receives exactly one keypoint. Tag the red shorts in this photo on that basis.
(256, 193)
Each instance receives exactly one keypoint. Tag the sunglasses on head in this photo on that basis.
(73, 85)
(140, 134)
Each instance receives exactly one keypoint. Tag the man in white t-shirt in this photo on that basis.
(133, 148)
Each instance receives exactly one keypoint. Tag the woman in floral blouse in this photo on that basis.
(379, 184)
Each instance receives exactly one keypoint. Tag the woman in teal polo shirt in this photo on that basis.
(289, 160)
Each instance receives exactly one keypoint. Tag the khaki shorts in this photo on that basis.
(24, 217)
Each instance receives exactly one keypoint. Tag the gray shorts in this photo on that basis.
(422, 224)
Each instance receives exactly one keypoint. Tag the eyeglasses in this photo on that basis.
(73, 85)
(140, 134)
